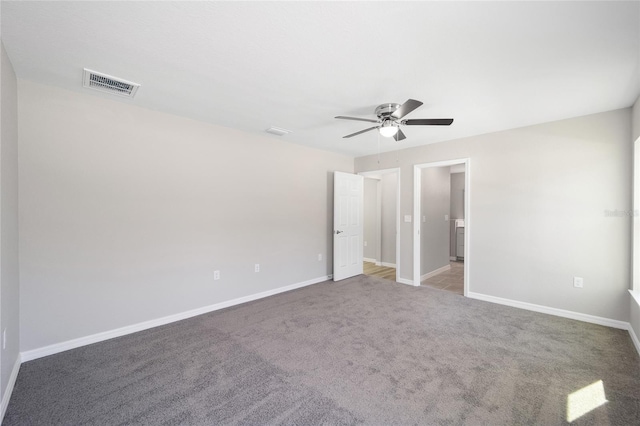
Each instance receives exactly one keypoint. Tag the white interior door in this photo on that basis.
(348, 202)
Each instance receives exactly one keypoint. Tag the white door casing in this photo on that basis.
(348, 201)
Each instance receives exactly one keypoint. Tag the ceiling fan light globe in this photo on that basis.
(388, 130)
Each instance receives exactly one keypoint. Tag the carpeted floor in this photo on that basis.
(360, 351)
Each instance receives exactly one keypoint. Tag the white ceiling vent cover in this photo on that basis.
(108, 84)
(278, 131)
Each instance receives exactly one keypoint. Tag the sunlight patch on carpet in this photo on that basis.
(585, 400)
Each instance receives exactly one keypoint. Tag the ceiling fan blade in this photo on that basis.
(361, 131)
(399, 136)
(357, 119)
(406, 108)
(428, 122)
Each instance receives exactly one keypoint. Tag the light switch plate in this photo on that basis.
(407, 218)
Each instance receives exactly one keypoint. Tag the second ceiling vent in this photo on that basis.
(109, 84)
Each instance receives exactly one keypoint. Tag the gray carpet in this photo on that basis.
(361, 351)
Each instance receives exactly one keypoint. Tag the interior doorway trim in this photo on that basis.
(417, 189)
(635, 281)
(376, 174)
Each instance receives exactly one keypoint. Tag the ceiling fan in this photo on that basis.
(390, 119)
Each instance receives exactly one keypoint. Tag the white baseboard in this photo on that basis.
(551, 311)
(435, 272)
(405, 281)
(105, 335)
(9, 390)
(453, 258)
(387, 264)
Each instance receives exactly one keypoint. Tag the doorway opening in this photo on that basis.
(381, 208)
(441, 225)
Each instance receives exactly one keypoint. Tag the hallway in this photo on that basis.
(451, 280)
(373, 270)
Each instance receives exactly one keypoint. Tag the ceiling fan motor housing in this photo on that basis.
(385, 110)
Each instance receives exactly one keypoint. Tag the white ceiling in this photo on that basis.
(250, 65)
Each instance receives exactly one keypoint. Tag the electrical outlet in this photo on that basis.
(578, 282)
(319, 257)
(446, 218)
(365, 243)
(216, 275)
(257, 267)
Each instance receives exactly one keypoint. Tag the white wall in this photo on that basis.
(125, 213)
(635, 126)
(9, 277)
(389, 194)
(435, 202)
(457, 208)
(370, 189)
(538, 198)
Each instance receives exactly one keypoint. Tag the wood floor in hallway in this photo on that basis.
(385, 272)
(451, 280)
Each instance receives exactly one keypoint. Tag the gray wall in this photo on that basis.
(9, 277)
(370, 207)
(457, 208)
(457, 195)
(126, 212)
(435, 202)
(389, 193)
(538, 197)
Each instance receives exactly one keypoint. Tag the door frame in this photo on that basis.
(376, 174)
(635, 259)
(417, 189)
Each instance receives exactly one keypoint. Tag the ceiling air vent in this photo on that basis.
(108, 84)
(278, 131)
